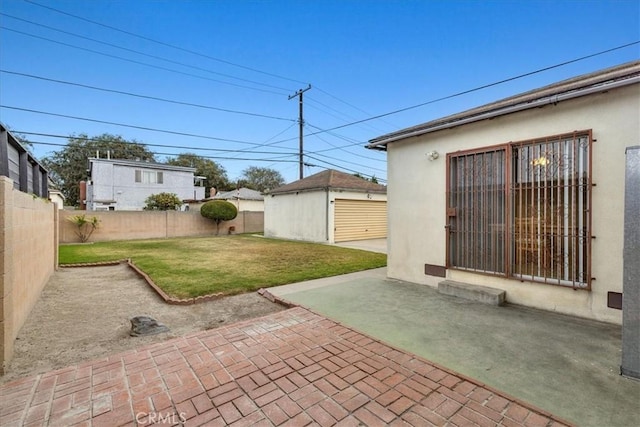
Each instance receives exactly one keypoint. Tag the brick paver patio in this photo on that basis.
(292, 368)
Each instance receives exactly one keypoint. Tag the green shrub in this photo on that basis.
(85, 226)
(163, 202)
(218, 211)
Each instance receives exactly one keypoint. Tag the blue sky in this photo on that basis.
(362, 59)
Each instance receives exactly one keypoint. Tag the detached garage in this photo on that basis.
(327, 207)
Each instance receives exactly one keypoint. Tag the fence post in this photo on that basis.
(6, 275)
(630, 366)
(56, 235)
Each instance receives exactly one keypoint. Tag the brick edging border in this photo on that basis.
(288, 304)
(93, 264)
(167, 299)
(268, 295)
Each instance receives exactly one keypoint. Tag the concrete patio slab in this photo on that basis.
(292, 368)
(371, 245)
(565, 365)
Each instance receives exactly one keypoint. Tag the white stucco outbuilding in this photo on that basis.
(328, 207)
(244, 199)
(525, 194)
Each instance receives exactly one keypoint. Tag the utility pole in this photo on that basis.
(301, 123)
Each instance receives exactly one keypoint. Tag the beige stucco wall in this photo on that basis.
(28, 256)
(241, 205)
(128, 225)
(416, 193)
(248, 205)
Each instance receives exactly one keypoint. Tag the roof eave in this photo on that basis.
(504, 107)
(308, 190)
(359, 190)
(294, 191)
(143, 164)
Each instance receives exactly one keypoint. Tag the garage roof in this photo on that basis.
(331, 179)
(239, 194)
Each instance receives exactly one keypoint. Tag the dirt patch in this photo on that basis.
(84, 314)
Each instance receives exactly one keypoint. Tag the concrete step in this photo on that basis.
(477, 293)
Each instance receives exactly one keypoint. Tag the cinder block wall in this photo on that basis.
(28, 258)
(130, 225)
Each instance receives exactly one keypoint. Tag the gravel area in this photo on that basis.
(84, 313)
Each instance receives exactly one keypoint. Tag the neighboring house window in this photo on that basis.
(149, 177)
(523, 210)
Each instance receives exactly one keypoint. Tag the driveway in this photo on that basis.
(371, 245)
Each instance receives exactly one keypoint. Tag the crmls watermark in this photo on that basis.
(170, 418)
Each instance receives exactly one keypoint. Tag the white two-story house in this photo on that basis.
(125, 184)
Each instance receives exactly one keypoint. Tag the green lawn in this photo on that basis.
(190, 267)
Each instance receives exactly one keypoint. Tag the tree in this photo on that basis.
(216, 175)
(68, 166)
(162, 202)
(218, 211)
(372, 179)
(260, 179)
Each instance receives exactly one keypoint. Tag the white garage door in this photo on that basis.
(360, 219)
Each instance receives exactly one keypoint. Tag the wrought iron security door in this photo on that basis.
(476, 211)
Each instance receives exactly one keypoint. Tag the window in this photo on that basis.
(149, 177)
(523, 210)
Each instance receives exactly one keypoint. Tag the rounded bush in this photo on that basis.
(219, 210)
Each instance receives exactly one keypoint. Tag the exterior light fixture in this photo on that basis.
(540, 161)
(432, 155)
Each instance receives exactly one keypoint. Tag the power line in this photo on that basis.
(267, 143)
(173, 154)
(129, 126)
(444, 98)
(465, 92)
(142, 53)
(350, 105)
(351, 163)
(343, 168)
(165, 44)
(336, 159)
(154, 98)
(138, 62)
(353, 123)
(341, 148)
(281, 157)
(356, 143)
(182, 147)
(326, 111)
